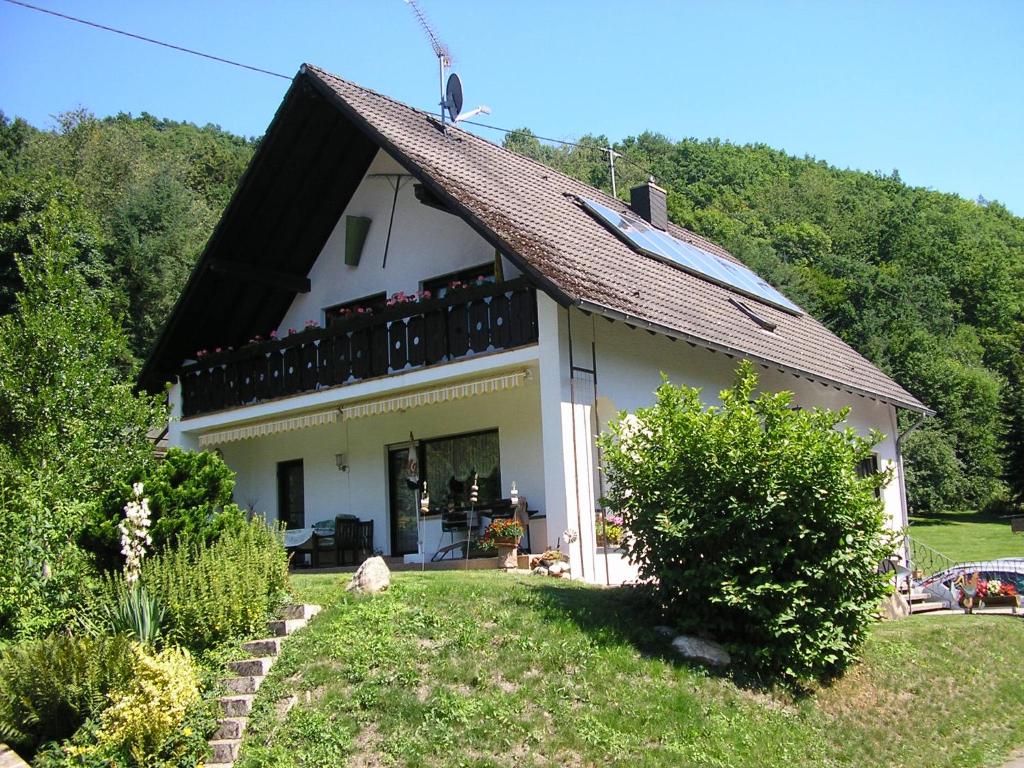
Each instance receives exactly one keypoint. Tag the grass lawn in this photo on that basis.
(484, 669)
(967, 536)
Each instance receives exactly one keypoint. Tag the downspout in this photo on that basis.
(903, 483)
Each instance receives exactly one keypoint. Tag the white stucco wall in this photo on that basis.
(362, 490)
(425, 243)
(630, 363)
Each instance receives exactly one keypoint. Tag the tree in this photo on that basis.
(753, 524)
(70, 424)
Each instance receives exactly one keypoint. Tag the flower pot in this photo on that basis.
(508, 554)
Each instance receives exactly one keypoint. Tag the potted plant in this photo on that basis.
(504, 535)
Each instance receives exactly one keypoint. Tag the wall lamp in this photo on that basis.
(339, 459)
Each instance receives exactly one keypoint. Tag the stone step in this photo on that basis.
(285, 627)
(225, 750)
(9, 758)
(919, 597)
(239, 705)
(300, 611)
(243, 684)
(270, 646)
(929, 607)
(230, 728)
(254, 667)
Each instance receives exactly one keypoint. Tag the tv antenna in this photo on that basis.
(451, 92)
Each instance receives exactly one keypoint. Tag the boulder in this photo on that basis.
(373, 576)
(556, 569)
(540, 570)
(704, 651)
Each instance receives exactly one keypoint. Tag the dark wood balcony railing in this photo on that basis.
(473, 320)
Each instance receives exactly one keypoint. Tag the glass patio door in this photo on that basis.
(402, 496)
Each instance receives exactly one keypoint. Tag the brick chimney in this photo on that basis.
(648, 202)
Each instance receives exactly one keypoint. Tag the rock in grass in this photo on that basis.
(372, 577)
(704, 651)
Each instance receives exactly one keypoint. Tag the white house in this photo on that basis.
(530, 309)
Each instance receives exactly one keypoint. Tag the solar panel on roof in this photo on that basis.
(652, 241)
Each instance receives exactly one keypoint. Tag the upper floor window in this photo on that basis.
(366, 305)
(439, 286)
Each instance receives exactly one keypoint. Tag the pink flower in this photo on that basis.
(273, 335)
(291, 331)
(312, 324)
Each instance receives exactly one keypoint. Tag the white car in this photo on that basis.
(1007, 569)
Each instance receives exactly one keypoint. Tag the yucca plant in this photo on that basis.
(131, 610)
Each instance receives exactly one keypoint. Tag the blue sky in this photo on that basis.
(932, 89)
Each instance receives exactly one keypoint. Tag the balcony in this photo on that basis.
(469, 322)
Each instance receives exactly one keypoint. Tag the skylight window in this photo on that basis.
(646, 239)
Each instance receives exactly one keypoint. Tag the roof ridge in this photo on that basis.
(536, 163)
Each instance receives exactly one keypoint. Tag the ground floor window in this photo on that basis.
(291, 509)
(449, 464)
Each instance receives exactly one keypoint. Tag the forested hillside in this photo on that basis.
(927, 285)
(143, 193)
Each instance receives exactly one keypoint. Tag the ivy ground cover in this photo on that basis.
(480, 669)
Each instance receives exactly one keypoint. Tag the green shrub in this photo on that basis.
(49, 687)
(219, 590)
(753, 521)
(146, 711)
(189, 495)
(157, 720)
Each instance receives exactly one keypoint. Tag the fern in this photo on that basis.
(49, 687)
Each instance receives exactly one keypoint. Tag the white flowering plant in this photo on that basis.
(135, 535)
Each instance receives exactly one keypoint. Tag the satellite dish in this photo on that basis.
(453, 96)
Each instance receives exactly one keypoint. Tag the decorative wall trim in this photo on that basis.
(251, 431)
(375, 407)
(433, 396)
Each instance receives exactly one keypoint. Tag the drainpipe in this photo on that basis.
(903, 483)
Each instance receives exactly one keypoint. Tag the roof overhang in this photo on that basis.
(672, 333)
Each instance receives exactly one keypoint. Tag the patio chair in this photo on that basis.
(334, 536)
(453, 522)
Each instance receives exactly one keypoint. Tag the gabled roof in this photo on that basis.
(532, 214)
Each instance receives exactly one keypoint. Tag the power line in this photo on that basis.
(251, 68)
(577, 145)
(147, 39)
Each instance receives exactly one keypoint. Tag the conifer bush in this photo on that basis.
(754, 523)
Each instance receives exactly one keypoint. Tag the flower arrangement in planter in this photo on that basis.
(993, 592)
(609, 528)
(502, 531)
(503, 535)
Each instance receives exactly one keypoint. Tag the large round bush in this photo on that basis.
(753, 522)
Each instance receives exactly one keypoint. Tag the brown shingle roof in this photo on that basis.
(533, 211)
